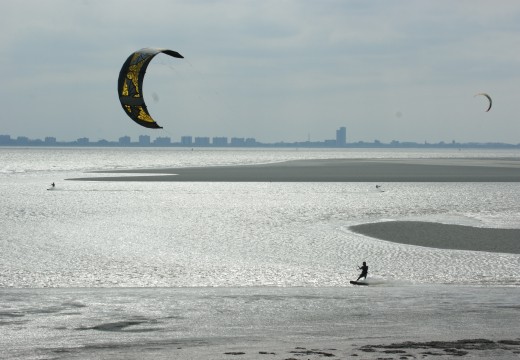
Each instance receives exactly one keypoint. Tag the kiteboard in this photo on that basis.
(358, 283)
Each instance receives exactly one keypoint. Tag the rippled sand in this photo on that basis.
(388, 322)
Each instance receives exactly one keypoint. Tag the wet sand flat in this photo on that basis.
(444, 236)
(250, 323)
(334, 170)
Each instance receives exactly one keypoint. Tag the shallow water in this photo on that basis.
(231, 234)
(194, 270)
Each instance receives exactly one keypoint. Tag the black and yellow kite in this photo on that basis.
(130, 85)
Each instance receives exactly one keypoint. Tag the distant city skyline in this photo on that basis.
(223, 141)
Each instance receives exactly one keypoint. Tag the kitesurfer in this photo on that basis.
(53, 185)
(364, 271)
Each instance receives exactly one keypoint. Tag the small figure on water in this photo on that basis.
(364, 271)
(53, 185)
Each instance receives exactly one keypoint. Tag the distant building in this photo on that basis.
(124, 140)
(250, 141)
(237, 141)
(22, 140)
(144, 140)
(186, 140)
(5, 139)
(202, 141)
(162, 141)
(83, 141)
(341, 136)
(220, 141)
(49, 140)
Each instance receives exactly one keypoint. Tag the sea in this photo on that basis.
(161, 270)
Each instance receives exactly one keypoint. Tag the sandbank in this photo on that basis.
(444, 236)
(334, 170)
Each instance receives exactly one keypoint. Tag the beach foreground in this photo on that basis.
(335, 170)
(374, 322)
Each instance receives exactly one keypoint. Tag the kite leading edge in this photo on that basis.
(130, 85)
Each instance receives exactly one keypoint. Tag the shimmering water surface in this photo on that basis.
(265, 237)
(232, 234)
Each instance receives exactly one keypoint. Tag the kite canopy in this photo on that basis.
(130, 85)
(488, 97)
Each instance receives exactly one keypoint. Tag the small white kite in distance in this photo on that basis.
(488, 97)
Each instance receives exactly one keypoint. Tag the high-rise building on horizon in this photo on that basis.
(341, 136)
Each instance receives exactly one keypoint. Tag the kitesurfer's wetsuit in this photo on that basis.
(364, 271)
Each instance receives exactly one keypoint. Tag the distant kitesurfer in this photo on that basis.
(53, 185)
(364, 271)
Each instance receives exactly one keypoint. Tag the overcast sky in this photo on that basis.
(275, 70)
